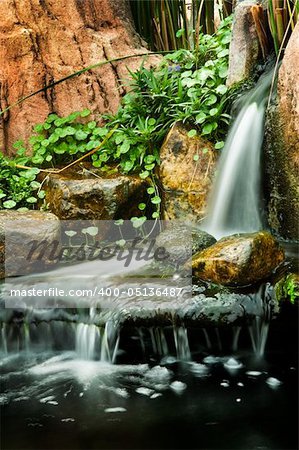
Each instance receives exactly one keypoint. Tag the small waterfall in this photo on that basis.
(182, 343)
(159, 343)
(235, 202)
(87, 336)
(258, 332)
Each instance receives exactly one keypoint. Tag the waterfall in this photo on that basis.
(87, 336)
(182, 343)
(235, 202)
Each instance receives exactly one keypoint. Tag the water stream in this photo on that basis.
(235, 204)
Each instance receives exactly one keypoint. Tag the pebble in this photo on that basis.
(253, 373)
(115, 410)
(145, 391)
(178, 386)
(273, 382)
(232, 363)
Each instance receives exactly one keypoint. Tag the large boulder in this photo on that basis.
(186, 174)
(94, 195)
(20, 232)
(241, 259)
(282, 146)
(245, 50)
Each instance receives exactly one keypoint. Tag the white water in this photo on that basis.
(235, 201)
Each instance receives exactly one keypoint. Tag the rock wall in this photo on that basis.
(45, 40)
(282, 147)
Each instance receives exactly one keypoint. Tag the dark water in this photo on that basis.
(55, 401)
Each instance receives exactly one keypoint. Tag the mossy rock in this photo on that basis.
(241, 259)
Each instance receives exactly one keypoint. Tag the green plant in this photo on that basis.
(59, 140)
(188, 87)
(19, 189)
(288, 288)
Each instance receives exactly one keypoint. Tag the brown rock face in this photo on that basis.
(46, 40)
(245, 49)
(239, 259)
(73, 195)
(19, 232)
(282, 146)
(185, 182)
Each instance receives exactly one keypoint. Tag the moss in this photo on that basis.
(287, 289)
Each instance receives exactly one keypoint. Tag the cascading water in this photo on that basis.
(235, 202)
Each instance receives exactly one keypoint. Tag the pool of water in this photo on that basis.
(53, 400)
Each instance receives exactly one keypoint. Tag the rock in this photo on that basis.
(19, 232)
(239, 259)
(39, 44)
(181, 241)
(76, 194)
(282, 147)
(185, 182)
(245, 50)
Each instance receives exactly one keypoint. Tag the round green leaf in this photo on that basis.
(9, 204)
(192, 133)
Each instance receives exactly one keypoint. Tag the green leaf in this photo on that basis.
(192, 133)
(223, 53)
(86, 112)
(200, 117)
(125, 147)
(81, 135)
(211, 100)
(92, 125)
(221, 89)
(35, 184)
(141, 206)
(156, 200)
(213, 111)
(219, 144)
(144, 174)
(151, 121)
(195, 157)
(205, 150)
(155, 215)
(207, 129)
(9, 204)
(41, 194)
(150, 190)
(31, 200)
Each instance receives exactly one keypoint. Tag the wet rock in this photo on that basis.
(239, 259)
(19, 232)
(77, 194)
(282, 146)
(245, 51)
(186, 181)
(181, 241)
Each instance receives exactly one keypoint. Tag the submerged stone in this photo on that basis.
(182, 240)
(240, 259)
(186, 174)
